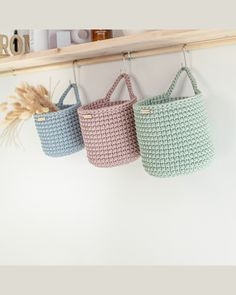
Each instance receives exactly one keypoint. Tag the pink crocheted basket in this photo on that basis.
(108, 129)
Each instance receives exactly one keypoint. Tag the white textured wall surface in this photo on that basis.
(65, 211)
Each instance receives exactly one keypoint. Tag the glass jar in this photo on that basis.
(101, 34)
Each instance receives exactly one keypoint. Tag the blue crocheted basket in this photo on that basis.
(60, 132)
(173, 132)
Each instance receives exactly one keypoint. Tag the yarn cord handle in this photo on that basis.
(191, 78)
(128, 84)
(63, 97)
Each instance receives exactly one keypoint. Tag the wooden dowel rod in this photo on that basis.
(118, 57)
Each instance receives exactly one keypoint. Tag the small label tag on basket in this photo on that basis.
(145, 111)
(88, 116)
(40, 119)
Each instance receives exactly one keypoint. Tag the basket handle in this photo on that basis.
(128, 84)
(191, 78)
(61, 100)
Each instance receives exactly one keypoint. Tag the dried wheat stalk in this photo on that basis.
(29, 100)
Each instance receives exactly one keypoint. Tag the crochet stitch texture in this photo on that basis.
(173, 132)
(108, 129)
(60, 132)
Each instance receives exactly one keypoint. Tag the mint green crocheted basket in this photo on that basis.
(173, 132)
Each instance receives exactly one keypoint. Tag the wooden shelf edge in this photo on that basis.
(118, 47)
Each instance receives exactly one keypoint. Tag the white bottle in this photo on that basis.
(39, 40)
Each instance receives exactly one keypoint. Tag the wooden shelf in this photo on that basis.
(139, 45)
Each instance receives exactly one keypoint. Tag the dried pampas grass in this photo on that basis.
(27, 101)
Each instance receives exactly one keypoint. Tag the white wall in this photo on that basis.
(65, 211)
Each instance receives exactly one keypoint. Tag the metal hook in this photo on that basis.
(74, 71)
(126, 66)
(129, 56)
(123, 70)
(13, 72)
(184, 54)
